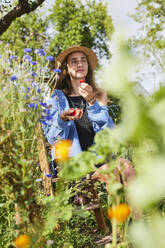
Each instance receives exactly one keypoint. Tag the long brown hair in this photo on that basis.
(64, 83)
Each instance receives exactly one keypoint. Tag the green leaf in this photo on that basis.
(82, 213)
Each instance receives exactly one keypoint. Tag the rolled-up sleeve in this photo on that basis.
(99, 116)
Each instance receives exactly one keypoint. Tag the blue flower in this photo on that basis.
(27, 50)
(27, 57)
(49, 58)
(33, 62)
(28, 89)
(57, 70)
(48, 175)
(33, 105)
(14, 77)
(13, 57)
(34, 74)
(41, 52)
(43, 122)
(34, 84)
(46, 111)
(38, 90)
(43, 104)
(0, 56)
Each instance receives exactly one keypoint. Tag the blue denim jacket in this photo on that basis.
(56, 127)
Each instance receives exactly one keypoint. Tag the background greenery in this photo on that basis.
(72, 22)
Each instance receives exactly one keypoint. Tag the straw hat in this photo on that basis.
(91, 56)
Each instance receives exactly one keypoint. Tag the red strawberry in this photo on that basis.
(74, 112)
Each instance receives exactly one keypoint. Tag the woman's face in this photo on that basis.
(77, 65)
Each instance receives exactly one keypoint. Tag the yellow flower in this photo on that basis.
(62, 149)
(119, 212)
(23, 241)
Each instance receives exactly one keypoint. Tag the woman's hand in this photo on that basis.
(86, 91)
(71, 114)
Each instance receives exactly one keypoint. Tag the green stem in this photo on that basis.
(125, 230)
(23, 151)
(114, 233)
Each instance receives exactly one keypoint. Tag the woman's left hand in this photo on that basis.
(86, 91)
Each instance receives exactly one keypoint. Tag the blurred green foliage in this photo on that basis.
(26, 31)
(7, 220)
(150, 39)
(68, 23)
(83, 23)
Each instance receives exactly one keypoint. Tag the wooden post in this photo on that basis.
(43, 159)
(98, 211)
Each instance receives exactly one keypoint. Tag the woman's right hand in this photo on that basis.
(71, 114)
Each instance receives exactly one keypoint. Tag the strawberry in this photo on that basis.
(74, 112)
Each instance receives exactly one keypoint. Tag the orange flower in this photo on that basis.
(120, 212)
(23, 241)
(62, 149)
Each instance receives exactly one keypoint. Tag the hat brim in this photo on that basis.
(91, 56)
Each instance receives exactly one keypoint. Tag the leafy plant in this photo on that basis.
(26, 31)
(21, 108)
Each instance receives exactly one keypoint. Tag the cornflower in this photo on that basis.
(33, 105)
(48, 175)
(27, 50)
(13, 78)
(49, 58)
(28, 89)
(41, 52)
(43, 104)
(33, 62)
(34, 84)
(44, 122)
(57, 70)
(13, 57)
(34, 74)
(27, 57)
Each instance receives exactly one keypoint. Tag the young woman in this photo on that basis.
(77, 106)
